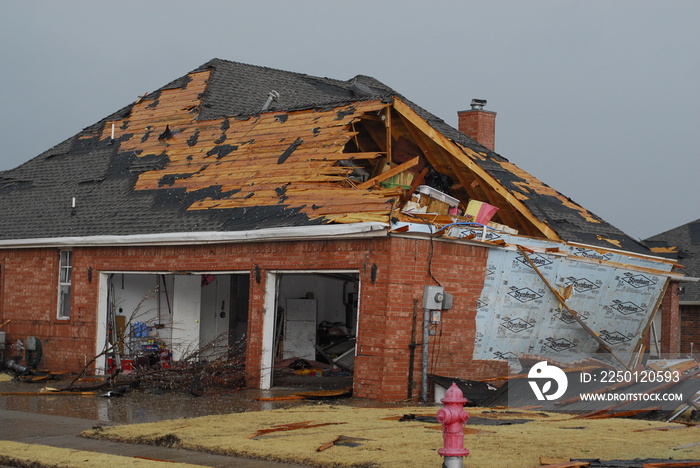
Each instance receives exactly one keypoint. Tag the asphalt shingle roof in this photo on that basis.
(683, 244)
(36, 197)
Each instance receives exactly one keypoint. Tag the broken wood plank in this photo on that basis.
(363, 155)
(660, 428)
(686, 446)
(684, 366)
(328, 445)
(390, 173)
(414, 186)
(561, 462)
(290, 427)
(280, 398)
(569, 464)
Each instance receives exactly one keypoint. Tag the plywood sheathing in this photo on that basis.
(287, 159)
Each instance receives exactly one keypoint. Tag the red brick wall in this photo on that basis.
(388, 309)
(29, 301)
(670, 321)
(403, 267)
(690, 329)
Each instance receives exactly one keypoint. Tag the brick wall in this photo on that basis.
(670, 321)
(690, 329)
(402, 267)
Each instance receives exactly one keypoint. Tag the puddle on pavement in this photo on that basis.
(140, 406)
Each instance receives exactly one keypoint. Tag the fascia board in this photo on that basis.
(334, 231)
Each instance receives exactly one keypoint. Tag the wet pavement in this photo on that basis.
(61, 431)
(58, 419)
(150, 405)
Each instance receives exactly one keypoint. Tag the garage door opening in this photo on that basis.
(154, 320)
(314, 330)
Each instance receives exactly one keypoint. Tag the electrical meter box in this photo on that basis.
(433, 297)
(31, 343)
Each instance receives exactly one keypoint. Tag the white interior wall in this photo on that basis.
(327, 291)
(145, 298)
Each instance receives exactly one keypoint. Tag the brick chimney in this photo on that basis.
(479, 124)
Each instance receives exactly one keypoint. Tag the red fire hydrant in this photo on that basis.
(453, 417)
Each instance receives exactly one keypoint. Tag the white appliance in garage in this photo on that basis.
(300, 329)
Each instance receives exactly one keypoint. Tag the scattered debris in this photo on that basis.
(590, 379)
(290, 427)
(342, 440)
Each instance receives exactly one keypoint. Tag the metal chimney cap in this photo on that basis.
(478, 104)
(271, 96)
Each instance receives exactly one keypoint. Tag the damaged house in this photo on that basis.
(296, 214)
(682, 243)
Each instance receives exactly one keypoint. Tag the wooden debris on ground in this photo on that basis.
(342, 440)
(290, 427)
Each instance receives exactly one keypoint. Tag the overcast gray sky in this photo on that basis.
(598, 99)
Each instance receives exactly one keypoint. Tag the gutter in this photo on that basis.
(327, 231)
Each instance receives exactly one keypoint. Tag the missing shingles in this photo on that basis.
(170, 179)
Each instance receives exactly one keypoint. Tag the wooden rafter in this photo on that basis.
(387, 127)
(390, 173)
(470, 182)
(458, 153)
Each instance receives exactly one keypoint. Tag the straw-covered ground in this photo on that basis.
(347, 436)
(344, 436)
(41, 456)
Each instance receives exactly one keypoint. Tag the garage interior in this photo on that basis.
(315, 329)
(154, 320)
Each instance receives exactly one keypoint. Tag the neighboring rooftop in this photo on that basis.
(683, 244)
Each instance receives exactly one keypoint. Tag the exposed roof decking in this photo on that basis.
(222, 165)
(277, 158)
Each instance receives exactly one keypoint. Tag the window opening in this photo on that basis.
(64, 283)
